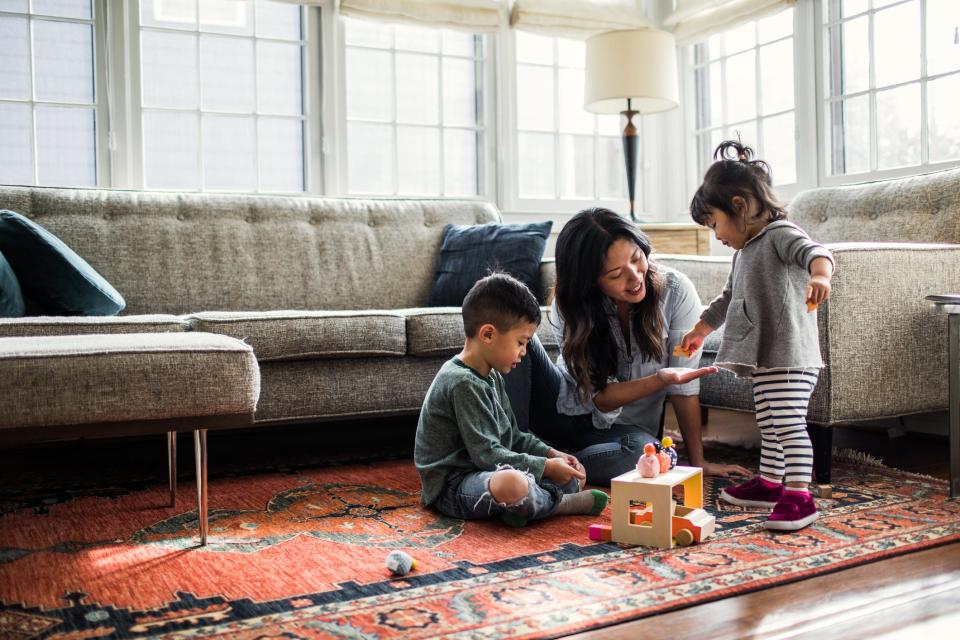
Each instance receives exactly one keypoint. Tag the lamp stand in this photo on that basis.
(631, 146)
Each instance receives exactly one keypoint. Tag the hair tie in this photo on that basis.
(742, 157)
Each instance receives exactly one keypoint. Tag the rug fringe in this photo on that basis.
(858, 457)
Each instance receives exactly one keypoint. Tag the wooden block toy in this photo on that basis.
(600, 532)
(811, 306)
(680, 351)
(824, 491)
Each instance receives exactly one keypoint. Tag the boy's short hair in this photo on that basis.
(501, 300)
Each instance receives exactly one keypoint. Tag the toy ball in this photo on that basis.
(649, 449)
(667, 442)
(400, 563)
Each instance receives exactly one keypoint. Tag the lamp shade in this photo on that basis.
(639, 64)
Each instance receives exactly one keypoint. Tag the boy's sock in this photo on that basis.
(590, 502)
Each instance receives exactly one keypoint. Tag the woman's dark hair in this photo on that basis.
(589, 349)
(735, 173)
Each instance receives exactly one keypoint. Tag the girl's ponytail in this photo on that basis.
(735, 172)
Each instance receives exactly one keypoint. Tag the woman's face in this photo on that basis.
(623, 276)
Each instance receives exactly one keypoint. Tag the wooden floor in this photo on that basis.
(911, 596)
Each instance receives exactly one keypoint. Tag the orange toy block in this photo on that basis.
(599, 532)
(811, 306)
(680, 351)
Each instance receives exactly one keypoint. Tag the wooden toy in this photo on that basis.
(670, 450)
(664, 461)
(654, 523)
(600, 532)
(648, 465)
(811, 306)
(680, 351)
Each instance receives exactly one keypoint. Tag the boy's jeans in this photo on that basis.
(470, 499)
(533, 388)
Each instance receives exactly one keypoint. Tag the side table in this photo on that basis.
(950, 305)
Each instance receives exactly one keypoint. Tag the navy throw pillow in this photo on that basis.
(51, 274)
(11, 299)
(470, 252)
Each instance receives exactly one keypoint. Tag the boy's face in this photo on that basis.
(503, 350)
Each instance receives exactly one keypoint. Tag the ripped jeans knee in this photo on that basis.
(485, 494)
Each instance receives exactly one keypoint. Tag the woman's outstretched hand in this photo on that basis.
(681, 375)
(724, 470)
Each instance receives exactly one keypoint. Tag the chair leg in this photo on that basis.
(200, 455)
(172, 466)
(821, 438)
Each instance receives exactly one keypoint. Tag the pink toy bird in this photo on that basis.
(648, 466)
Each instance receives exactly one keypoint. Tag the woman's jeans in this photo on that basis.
(469, 497)
(533, 388)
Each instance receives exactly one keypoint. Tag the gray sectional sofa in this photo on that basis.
(885, 348)
(329, 293)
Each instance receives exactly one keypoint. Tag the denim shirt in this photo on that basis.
(680, 308)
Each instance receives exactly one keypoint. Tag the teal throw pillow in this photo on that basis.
(11, 299)
(470, 252)
(51, 274)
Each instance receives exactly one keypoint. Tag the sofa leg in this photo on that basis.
(704, 415)
(172, 466)
(821, 438)
(200, 455)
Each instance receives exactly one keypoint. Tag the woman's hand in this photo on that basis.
(724, 470)
(679, 375)
(561, 472)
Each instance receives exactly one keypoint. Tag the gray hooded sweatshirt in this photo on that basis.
(763, 304)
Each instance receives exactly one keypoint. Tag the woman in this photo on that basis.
(618, 317)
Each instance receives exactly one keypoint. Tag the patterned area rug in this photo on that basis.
(300, 554)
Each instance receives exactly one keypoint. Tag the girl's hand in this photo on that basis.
(724, 470)
(680, 375)
(561, 472)
(692, 340)
(818, 289)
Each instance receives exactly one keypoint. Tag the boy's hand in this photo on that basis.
(680, 375)
(561, 472)
(569, 457)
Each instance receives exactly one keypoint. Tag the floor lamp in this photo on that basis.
(631, 72)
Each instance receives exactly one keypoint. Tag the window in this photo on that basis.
(48, 96)
(744, 85)
(222, 95)
(892, 81)
(563, 153)
(414, 110)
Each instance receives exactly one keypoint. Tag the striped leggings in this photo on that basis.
(781, 397)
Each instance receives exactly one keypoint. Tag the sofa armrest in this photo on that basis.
(548, 279)
(885, 346)
(707, 273)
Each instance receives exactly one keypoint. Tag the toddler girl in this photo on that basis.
(768, 305)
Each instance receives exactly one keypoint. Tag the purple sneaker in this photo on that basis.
(795, 510)
(756, 492)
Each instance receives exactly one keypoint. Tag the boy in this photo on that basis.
(474, 461)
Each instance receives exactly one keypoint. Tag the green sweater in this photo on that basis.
(466, 424)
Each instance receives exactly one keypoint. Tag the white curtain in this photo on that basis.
(694, 20)
(576, 18)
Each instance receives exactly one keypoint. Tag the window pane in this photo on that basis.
(779, 148)
(776, 26)
(418, 88)
(368, 34)
(706, 145)
(63, 8)
(716, 93)
(66, 147)
(169, 63)
(226, 74)
(943, 118)
(943, 50)
(279, 80)
(170, 150)
(63, 54)
(16, 161)
(745, 131)
(370, 158)
(898, 127)
(576, 167)
(535, 100)
(854, 56)
(226, 16)
(458, 43)
(571, 53)
(14, 6)
(280, 154)
(573, 118)
(609, 125)
(369, 82)
(852, 122)
(409, 38)
(536, 160)
(776, 76)
(896, 44)
(418, 160)
(533, 48)
(611, 173)
(459, 92)
(229, 160)
(172, 14)
(277, 20)
(14, 58)
(741, 87)
(740, 38)
(460, 163)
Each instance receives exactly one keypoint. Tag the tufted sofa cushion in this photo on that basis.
(438, 331)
